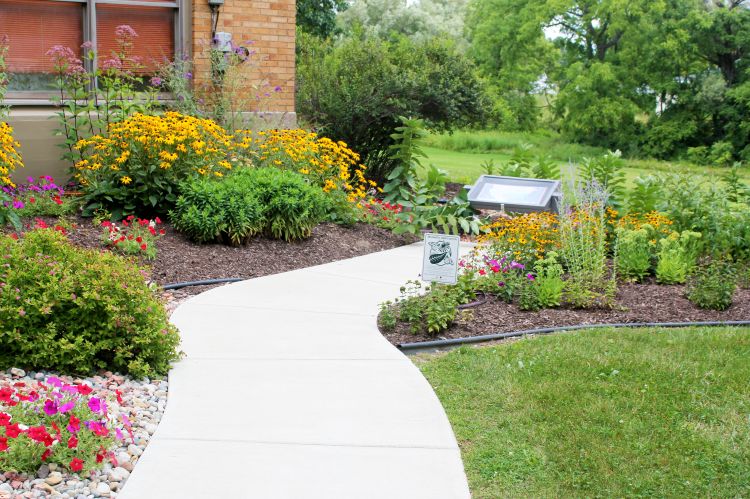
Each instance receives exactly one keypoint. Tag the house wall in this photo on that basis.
(268, 28)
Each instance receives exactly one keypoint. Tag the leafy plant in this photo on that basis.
(403, 182)
(488, 166)
(607, 171)
(713, 286)
(633, 251)
(277, 203)
(737, 191)
(431, 312)
(545, 289)
(450, 218)
(76, 310)
(545, 167)
(645, 195)
(678, 255)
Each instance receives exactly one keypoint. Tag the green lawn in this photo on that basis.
(602, 413)
(463, 153)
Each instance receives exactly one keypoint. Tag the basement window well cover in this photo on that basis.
(514, 194)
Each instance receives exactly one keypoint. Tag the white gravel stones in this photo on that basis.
(143, 402)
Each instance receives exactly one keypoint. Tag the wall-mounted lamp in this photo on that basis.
(214, 5)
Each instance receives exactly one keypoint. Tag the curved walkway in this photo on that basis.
(288, 390)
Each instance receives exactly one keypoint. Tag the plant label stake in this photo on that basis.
(440, 261)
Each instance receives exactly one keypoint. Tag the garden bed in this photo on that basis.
(180, 260)
(648, 302)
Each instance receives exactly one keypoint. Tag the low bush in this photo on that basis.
(544, 289)
(76, 310)
(138, 165)
(277, 203)
(633, 250)
(713, 286)
(678, 254)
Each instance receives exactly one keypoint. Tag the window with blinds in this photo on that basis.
(33, 27)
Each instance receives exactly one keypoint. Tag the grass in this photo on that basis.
(602, 413)
(463, 153)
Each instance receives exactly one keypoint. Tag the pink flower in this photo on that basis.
(66, 407)
(56, 382)
(530, 277)
(50, 407)
(125, 32)
(95, 405)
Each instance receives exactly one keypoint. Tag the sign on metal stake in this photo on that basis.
(440, 261)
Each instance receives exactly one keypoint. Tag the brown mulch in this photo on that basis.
(179, 260)
(635, 303)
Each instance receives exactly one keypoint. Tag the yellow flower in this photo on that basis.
(126, 180)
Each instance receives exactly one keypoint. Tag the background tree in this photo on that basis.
(318, 17)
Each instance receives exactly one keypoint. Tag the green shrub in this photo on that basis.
(226, 211)
(356, 90)
(546, 289)
(712, 287)
(677, 257)
(74, 310)
(277, 203)
(633, 253)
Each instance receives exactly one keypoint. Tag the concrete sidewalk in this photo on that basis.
(288, 390)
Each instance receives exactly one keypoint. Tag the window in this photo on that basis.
(35, 26)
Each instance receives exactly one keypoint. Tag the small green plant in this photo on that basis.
(545, 289)
(678, 254)
(712, 287)
(76, 310)
(737, 191)
(633, 253)
(489, 167)
(387, 319)
(645, 195)
(430, 312)
(607, 170)
(454, 217)
(406, 152)
(134, 236)
(545, 167)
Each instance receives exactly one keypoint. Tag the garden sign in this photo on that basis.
(440, 261)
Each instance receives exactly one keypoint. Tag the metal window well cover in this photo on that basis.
(517, 195)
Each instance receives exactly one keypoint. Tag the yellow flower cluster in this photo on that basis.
(174, 143)
(10, 159)
(526, 238)
(327, 163)
(659, 222)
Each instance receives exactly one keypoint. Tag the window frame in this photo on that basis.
(182, 40)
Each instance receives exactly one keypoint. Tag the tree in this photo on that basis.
(318, 17)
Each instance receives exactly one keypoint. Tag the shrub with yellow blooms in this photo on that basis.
(138, 165)
(10, 159)
(326, 163)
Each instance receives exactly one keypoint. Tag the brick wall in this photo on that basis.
(271, 28)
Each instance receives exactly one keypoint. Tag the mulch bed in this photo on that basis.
(647, 302)
(179, 260)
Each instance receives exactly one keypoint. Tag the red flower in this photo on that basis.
(157, 220)
(14, 236)
(162, 232)
(130, 238)
(119, 396)
(72, 442)
(4, 419)
(3, 444)
(84, 389)
(46, 454)
(40, 434)
(130, 217)
(74, 424)
(13, 430)
(106, 223)
(139, 239)
(76, 465)
(143, 247)
(57, 200)
(5, 395)
(482, 272)
(152, 231)
(32, 200)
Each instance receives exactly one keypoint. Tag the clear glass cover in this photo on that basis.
(512, 194)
